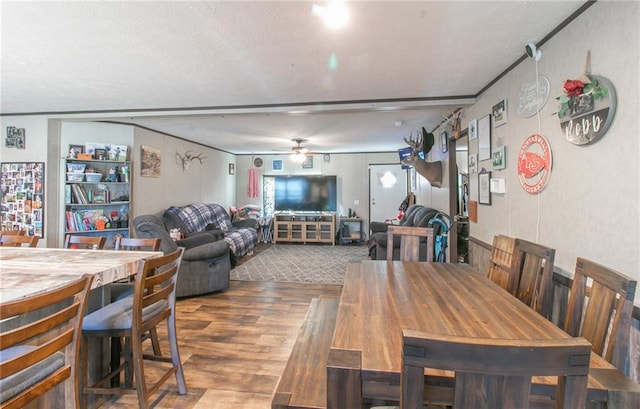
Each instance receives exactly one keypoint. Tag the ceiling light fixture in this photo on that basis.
(335, 14)
(298, 157)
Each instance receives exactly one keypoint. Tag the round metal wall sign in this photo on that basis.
(534, 164)
(532, 97)
(587, 117)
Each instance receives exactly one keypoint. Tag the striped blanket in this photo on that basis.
(196, 217)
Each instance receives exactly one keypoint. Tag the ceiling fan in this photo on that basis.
(299, 152)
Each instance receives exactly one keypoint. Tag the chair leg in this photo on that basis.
(138, 370)
(175, 355)
(84, 368)
(153, 333)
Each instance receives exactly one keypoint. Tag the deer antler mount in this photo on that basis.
(432, 171)
(185, 160)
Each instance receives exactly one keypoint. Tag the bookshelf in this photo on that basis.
(97, 198)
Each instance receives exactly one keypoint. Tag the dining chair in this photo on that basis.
(137, 244)
(124, 289)
(533, 264)
(40, 344)
(12, 232)
(74, 241)
(19, 241)
(410, 238)
(600, 309)
(500, 269)
(494, 373)
(152, 304)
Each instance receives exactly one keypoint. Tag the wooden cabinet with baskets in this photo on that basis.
(304, 228)
(97, 198)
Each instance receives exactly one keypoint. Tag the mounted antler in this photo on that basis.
(432, 171)
(188, 157)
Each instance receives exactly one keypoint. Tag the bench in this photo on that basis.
(303, 383)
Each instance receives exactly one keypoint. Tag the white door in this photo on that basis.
(387, 190)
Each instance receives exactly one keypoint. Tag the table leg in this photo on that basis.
(344, 379)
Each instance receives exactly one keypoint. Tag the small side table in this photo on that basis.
(350, 231)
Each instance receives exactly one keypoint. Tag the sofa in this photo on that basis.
(206, 262)
(193, 219)
(415, 216)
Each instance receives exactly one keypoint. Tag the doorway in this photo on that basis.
(388, 186)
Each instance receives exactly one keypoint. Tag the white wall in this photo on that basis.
(352, 171)
(206, 182)
(590, 206)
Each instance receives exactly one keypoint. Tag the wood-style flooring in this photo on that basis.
(234, 345)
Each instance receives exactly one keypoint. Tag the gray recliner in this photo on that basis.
(415, 216)
(206, 260)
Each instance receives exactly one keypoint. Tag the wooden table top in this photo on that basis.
(379, 299)
(25, 270)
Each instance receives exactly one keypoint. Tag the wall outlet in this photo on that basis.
(356, 202)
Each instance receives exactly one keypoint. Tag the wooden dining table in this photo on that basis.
(381, 298)
(29, 270)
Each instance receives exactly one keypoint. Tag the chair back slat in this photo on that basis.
(533, 264)
(43, 327)
(494, 373)
(602, 312)
(410, 238)
(500, 269)
(137, 244)
(12, 232)
(84, 242)
(18, 241)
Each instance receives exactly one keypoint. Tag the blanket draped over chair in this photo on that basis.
(196, 217)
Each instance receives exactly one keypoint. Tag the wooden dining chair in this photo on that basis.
(84, 242)
(600, 309)
(137, 244)
(500, 269)
(40, 345)
(12, 232)
(19, 241)
(494, 373)
(410, 238)
(152, 304)
(533, 264)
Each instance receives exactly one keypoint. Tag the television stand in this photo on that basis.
(304, 227)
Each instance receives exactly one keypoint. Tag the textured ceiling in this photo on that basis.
(249, 76)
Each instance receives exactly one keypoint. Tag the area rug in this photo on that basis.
(317, 264)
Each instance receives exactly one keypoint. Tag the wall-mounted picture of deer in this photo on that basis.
(432, 171)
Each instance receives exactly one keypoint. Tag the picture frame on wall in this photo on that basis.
(444, 141)
(472, 129)
(484, 188)
(484, 138)
(308, 162)
(499, 112)
(232, 168)
(276, 164)
(473, 163)
(150, 161)
(498, 158)
(22, 200)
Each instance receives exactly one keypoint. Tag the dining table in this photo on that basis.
(30, 270)
(380, 298)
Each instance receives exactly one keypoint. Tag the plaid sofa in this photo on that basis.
(242, 236)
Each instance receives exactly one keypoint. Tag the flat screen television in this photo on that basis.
(305, 193)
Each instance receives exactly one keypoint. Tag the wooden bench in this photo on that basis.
(303, 383)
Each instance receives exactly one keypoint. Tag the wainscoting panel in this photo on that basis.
(479, 253)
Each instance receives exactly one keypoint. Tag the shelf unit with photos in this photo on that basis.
(304, 227)
(97, 198)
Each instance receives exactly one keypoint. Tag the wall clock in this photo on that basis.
(257, 162)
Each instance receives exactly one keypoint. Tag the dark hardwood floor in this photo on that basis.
(234, 345)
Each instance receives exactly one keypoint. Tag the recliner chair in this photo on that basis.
(206, 262)
(415, 216)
